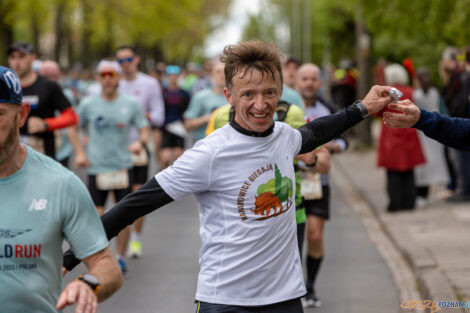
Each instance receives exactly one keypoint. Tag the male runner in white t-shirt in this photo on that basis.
(148, 92)
(243, 180)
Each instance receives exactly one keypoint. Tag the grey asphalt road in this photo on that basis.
(353, 277)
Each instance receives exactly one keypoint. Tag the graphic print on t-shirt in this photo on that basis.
(272, 198)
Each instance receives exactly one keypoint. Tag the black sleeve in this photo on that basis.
(327, 128)
(147, 199)
(58, 100)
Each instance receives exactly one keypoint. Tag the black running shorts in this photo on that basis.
(320, 207)
(289, 306)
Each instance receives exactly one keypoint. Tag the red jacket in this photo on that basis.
(399, 148)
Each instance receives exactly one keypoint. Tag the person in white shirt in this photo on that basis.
(148, 93)
(243, 180)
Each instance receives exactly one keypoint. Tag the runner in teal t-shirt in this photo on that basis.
(108, 118)
(42, 203)
(108, 124)
(204, 102)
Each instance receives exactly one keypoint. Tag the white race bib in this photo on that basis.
(34, 142)
(140, 159)
(113, 180)
(310, 186)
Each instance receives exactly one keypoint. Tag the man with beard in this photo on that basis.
(42, 203)
(243, 180)
(317, 206)
(44, 98)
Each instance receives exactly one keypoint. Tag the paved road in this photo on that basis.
(353, 279)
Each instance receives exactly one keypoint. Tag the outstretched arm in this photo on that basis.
(145, 200)
(324, 129)
(452, 132)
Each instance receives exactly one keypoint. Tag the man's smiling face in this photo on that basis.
(254, 95)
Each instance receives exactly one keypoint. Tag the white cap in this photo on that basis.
(108, 63)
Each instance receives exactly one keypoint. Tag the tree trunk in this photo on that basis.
(85, 58)
(6, 31)
(362, 55)
(60, 28)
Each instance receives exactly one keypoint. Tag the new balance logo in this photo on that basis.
(38, 205)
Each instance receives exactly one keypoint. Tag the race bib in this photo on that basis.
(311, 187)
(140, 159)
(113, 180)
(34, 142)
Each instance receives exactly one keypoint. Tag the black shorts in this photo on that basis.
(289, 306)
(320, 207)
(99, 196)
(141, 173)
(170, 140)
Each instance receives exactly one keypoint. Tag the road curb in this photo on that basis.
(432, 283)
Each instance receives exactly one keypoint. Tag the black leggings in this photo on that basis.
(289, 306)
(401, 190)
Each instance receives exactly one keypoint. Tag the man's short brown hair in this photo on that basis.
(249, 55)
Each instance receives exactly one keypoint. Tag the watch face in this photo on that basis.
(91, 279)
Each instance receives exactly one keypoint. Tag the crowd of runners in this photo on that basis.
(211, 133)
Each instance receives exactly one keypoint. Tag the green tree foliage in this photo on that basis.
(96, 28)
(279, 186)
(420, 29)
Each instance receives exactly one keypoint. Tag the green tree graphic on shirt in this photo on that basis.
(279, 185)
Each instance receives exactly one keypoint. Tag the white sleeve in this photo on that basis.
(296, 141)
(189, 174)
(156, 105)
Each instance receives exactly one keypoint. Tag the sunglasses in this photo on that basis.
(110, 74)
(124, 60)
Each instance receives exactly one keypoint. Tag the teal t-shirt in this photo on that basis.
(108, 124)
(42, 204)
(202, 103)
(292, 96)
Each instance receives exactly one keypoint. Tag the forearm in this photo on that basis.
(108, 273)
(452, 132)
(67, 117)
(325, 129)
(72, 134)
(144, 135)
(193, 123)
(146, 199)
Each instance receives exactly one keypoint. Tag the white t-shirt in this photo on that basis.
(245, 190)
(149, 94)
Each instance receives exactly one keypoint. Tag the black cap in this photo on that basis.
(21, 46)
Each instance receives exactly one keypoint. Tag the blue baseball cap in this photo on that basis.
(173, 69)
(10, 87)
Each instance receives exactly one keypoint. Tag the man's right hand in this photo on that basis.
(377, 98)
(408, 116)
(80, 293)
(81, 160)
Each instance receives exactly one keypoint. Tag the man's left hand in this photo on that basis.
(36, 125)
(80, 293)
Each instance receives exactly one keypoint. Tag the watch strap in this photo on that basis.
(94, 286)
(362, 108)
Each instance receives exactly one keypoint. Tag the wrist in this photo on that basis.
(362, 108)
(314, 163)
(91, 281)
(46, 126)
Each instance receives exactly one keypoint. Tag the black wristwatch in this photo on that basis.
(91, 281)
(362, 108)
(314, 162)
